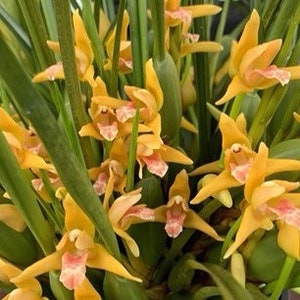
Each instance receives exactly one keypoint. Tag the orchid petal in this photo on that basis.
(180, 186)
(251, 221)
(202, 46)
(236, 87)
(170, 154)
(86, 291)
(101, 259)
(46, 264)
(121, 205)
(213, 167)
(130, 242)
(73, 269)
(222, 182)
(10, 216)
(248, 40)
(193, 220)
(289, 240)
(90, 130)
(82, 40)
(282, 165)
(258, 171)
(233, 132)
(8, 124)
(75, 218)
(51, 73)
(203, 10)
(155, 164)
(273, 72)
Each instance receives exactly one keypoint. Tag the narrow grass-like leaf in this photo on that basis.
(228, 286)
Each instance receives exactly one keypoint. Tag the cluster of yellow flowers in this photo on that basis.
(266, 201)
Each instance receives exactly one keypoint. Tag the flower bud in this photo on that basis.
(223, 196)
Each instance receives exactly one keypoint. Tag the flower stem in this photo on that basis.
(138, 29)
(117, 41)
(158, 25)
(65, 37)
(283, 278)
(202, 84)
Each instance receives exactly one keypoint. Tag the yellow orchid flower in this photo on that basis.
(176, 214)
(83, 53)
(155, 155)
(250, 63)
(74, 252)
(109, 177)
(39, 186)
(25, 289)
(104, 125)
(238, 160)
(123, 213)
(176, 15)
(125, 59)
(149, 98)
(26, 146)
(266, 202)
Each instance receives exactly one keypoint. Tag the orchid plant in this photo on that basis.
(149, 149)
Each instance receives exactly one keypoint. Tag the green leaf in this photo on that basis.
(17, 247)
(228, 286)
(206, 292)
(286, 149)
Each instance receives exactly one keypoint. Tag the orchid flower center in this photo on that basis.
(100, 184)
(287, 212)
(175, 217)
(155, 164)
(241, 164)
(73, 269)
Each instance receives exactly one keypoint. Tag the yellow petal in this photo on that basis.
(11, 217)
(170, 154)
(188, 125)
(109, 101)
(180, 186)
(101, 259)
(257, 172)
(236, 87)
(122, 204)
(46, 264)
(202, 10)
(31, 160)
(53, 45)
(82, 40)
(282, 165)
(153, 85)
(265, 192)
(194, 221)
(213, 167)
(248, 40)
(75, 218)
(289, 240)
(250, 222)
(130, 242)
(231, 133)
(294, 71)
(208, 46)
(222, 182)
(8, 124)
(86, 291)
(90, 130)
